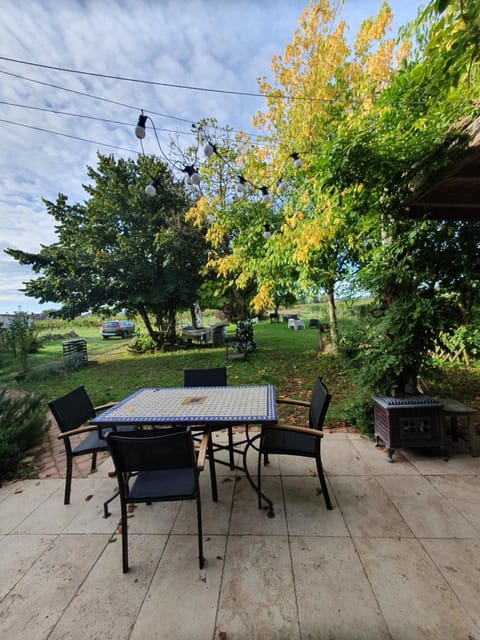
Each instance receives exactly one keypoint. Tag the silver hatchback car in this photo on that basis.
(120, 328)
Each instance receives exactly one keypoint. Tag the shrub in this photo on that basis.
(141, 343)
(23, 423)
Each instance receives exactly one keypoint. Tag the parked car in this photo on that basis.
(121, 328)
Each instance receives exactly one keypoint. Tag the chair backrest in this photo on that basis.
(152, 450)
(216, 377)
(73, 409)
(318, 404)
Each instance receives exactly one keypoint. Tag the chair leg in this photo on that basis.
(213, 473)
(230, 448)
(259, 476)
(93, 466)
(201, 559)
(68, 480)
(323, 483)
(124, 538)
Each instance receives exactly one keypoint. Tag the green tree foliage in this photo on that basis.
(21, 337)
(23, 423)
(423, 273)
(121, 249)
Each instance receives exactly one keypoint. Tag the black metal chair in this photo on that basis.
(157, 466)
(215, 377)
(71, 412)
(291, 440)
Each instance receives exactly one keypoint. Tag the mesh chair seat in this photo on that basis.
(170, 483)
(294, 444)
(90, 444)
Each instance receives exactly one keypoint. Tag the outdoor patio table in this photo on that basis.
(202, 408)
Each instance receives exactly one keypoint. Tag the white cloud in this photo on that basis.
(218, 44)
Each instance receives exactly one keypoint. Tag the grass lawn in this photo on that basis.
(288, 359)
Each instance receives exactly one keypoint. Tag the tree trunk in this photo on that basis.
(332, 315)
(148, 325)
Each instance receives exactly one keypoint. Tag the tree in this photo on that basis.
(121, 249)
(321, 83)
(422, 273)
(21, 337)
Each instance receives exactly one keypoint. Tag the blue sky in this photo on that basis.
(217, 44)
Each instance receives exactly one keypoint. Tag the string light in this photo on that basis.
(243, 185)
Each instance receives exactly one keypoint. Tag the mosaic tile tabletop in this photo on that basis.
(194, 405)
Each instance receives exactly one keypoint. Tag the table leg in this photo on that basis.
(256, 488)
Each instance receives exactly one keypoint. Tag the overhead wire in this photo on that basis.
(110, 101)
(155, 82)
(68, 135)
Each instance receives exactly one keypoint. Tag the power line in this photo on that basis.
(120, 104)
(81, 115)
(137, 80)
(67, 135)
(91, 95)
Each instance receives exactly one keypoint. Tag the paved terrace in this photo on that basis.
(398, 557)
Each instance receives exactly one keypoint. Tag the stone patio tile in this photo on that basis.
(463, 492)
(367, 509)
(19, 553)
(108, 602)
(23, 498)
(430, 465)
(306, 512)
(415, 599)
(34, 606)
(335, 599)
(459, 563)
(298, 466)
(425, 510)
(92, 493)
(341, 458)
(215, 515)
(376, 459)
(52, 516)
(257, 599)
(247, 518)
(181, 602)
(158, 517)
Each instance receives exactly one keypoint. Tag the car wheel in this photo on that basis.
(125, 334)
(105, 337)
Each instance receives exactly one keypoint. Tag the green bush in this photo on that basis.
(23, 423)
(141, 343)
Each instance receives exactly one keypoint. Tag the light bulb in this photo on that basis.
(150, 190)
(189, 180)
(282, 186)
(208, 150)
(140, 128)
(240, 187)
(267, 233)
(266, 197)
(297, 162)
(195, 178)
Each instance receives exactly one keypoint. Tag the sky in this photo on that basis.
(50, 130)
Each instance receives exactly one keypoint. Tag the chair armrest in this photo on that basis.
(202, 451)
(289, 427)
(299, 403)
(102, 407)
(74, 432)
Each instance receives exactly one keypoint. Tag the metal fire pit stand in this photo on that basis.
(408, 422)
